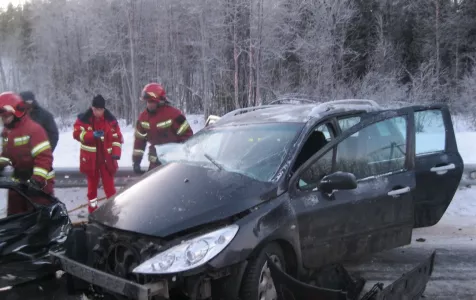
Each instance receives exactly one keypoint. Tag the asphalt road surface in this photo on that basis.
(454, 275)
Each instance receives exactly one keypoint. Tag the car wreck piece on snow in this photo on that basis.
(26, 238)
(409, 286)
(308, 185)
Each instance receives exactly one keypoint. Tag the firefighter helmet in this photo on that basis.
(153, 92)
(12, 103)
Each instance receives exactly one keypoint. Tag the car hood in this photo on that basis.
(177, 197)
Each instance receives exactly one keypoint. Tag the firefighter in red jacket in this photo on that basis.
(159, 123)
(26, 148)
(101, 141)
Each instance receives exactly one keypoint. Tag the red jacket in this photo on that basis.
(166, 125)
(27, 149)
(94, 151)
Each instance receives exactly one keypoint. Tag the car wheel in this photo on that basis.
(257, 283)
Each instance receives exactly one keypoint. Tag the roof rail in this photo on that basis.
(344, 103)
(290, 101)
(243, 111)
(294, 98)
(352, 102)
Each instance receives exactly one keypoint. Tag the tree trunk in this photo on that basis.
(134, 93)
(205, 77)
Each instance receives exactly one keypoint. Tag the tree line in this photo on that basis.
(213, 56)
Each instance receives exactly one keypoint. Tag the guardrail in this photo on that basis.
(72, 178)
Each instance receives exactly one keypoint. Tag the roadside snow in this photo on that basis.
(67, 152)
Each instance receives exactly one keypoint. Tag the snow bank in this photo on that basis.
(67, 152)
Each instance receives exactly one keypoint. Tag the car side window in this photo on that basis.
(315, 172)
(326, 130)
(347, 122)
(320, 136)
(430, 132)
(377, 149)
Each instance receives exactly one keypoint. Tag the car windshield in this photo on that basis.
(254, 150)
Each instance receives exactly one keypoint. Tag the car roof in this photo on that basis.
(295, 112)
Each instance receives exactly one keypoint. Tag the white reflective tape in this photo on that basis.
(140, 135)
(40, 172)
(21, 140)
(164, 124)
(145, 125)
(88, 148)
(183, 128)
(4, 159)
(40, 148)
(93, 203)
(138, 152)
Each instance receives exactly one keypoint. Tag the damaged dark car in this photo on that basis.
(304, 186)
(26, 238)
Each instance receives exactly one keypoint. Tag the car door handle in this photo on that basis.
(399, 191)
(443, 169)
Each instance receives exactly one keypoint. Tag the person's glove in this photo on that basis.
(98, 134)
(137, 169)
(116, 157)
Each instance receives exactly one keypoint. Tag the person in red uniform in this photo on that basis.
(101, 141)
(160, 123)
(27, 149)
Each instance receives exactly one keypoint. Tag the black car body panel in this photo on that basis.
(410, 285)
(25, 239)
(439, 167)
(273, 221)
(179, 197)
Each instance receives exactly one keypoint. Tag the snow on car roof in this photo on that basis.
(295, 113)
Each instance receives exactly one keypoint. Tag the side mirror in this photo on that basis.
(337, 181)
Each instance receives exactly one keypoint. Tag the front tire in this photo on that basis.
(257, 283)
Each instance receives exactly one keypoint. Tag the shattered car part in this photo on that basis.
(309, 185)
(409, 286)
(26, 238)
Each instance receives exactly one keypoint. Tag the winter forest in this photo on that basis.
(217, 55)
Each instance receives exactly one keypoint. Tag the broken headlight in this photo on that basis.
(189, 254)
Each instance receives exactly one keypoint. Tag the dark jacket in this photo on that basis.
(44, 118)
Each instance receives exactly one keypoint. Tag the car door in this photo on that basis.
(438, 164)
(378, 214)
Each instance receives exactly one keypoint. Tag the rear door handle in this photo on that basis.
(443, 169)
(399, 191)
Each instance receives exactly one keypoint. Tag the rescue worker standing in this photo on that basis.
(160, 123)
(42, 117)
(26, 148)
(101, 141)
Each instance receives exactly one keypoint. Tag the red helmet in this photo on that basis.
(153, 92)
(12, 103)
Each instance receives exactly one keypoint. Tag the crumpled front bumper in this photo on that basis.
(110, 282)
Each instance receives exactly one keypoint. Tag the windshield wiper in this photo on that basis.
(219, 166)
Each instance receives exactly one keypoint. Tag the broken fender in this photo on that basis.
(409, 286)
(26, 238)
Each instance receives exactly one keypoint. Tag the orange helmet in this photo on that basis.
(12, 103)
(153, 92)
